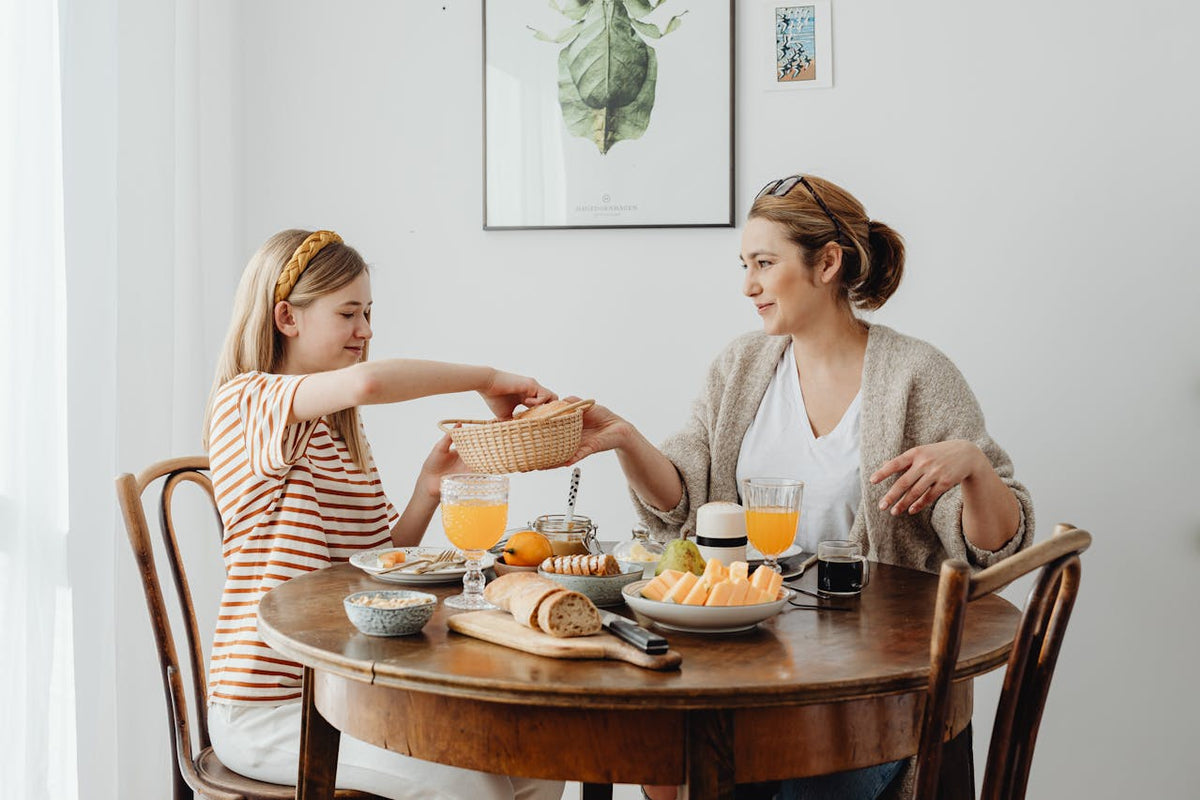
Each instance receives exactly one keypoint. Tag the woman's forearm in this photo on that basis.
(991, 513)
(649, 473)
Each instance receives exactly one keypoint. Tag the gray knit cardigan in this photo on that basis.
(912, 394)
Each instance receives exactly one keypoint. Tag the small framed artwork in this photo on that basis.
(796, 45)
(608, 113)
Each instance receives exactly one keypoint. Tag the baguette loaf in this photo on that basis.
(595, 565)
(542, 604)
(520, 593)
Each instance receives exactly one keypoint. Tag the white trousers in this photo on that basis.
(264, 743)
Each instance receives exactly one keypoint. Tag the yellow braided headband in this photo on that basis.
(299, 260)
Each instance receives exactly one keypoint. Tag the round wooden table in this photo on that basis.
(806, 693)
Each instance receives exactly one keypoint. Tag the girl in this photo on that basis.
(881, 427)
(298, 490)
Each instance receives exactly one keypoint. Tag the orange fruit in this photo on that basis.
(526, 549)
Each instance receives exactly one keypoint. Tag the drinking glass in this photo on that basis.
(474, 514)
(772, 514)
(842, 569)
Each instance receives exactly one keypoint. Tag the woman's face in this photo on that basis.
(788, 295)
(332, 331)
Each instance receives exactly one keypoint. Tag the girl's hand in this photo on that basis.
(602, 430)
(506, 391)
(927, 472)
(442, 461)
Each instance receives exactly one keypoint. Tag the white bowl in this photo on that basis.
(702, 619)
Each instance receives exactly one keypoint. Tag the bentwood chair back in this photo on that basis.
(196, 767)
(1030, 665)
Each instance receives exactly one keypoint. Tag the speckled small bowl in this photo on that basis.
(402, 621)
(603, 590)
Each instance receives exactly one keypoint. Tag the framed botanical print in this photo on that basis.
(608, 113)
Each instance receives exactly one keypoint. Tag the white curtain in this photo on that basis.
(37, 740)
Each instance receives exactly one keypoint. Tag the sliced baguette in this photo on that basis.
(568, 614)
(596, 565)
(520, 593)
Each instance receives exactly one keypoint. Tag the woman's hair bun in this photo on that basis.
(884, 269)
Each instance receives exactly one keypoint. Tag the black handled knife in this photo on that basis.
(635, 634)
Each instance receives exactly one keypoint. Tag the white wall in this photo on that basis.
(1040, 165)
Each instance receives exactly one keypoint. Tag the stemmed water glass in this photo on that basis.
(474, 514)
(772, 514)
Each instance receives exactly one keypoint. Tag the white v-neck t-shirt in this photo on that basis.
(780, 444)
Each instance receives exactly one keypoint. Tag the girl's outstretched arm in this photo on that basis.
(397, 379)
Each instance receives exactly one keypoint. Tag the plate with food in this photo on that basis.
(415, 565)
(709, 603)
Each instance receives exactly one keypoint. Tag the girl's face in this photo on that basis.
(789, 295)
(330, 332)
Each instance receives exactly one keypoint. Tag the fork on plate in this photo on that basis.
(441, 560)
(441, 557)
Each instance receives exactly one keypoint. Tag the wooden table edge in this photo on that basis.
(376, 673)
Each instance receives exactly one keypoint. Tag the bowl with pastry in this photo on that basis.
(542, 437)
(721, 600)
(599, 577)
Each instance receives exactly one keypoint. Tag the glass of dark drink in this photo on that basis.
(842, 569)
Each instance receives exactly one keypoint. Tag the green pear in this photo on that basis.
(683, 555)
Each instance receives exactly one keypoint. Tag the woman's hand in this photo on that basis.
(442, 460)
(602, 430)
(506, 391)
(927, 472)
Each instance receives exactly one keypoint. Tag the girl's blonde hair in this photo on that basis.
(253, 343)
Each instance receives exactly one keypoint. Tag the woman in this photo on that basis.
(881, 427)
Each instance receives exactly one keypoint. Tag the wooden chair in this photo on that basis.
(1030, 665)
(196, 768)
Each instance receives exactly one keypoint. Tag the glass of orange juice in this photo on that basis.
(772, 514)
(474, 514)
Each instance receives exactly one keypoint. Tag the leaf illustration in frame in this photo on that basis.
(607, 73)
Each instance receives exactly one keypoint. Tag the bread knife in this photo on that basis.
(635, 634)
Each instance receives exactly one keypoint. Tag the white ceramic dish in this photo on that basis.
(368, 562)
(702, 619)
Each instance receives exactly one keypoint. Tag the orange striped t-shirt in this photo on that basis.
(291, 501)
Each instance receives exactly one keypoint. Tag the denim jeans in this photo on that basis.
(856, 784)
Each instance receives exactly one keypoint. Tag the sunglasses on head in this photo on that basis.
(780, 188)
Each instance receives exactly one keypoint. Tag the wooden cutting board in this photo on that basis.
(499, 627)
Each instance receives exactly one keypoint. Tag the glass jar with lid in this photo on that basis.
(567, 538)
(640, 551)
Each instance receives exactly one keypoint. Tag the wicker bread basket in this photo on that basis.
(498, 447)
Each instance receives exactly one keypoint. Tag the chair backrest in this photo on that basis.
(1030, 664)
(129, 491)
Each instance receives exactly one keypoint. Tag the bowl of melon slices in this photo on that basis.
(722, 600)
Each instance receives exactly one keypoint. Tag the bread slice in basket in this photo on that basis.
(542, 604)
